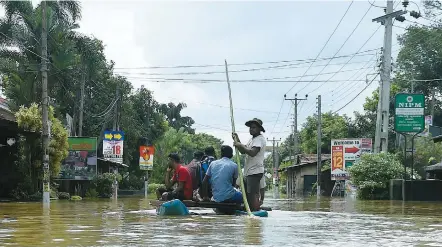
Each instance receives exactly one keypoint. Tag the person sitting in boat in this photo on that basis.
(222, 175)
(208, 158)
(194, 169)
(181, 175)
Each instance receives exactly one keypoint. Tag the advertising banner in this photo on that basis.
(146, 157)
(81, 163)
(113, 146)
(345, 152)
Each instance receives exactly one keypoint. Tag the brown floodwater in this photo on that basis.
(298, 222)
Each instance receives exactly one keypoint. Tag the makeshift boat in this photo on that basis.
(177, 207)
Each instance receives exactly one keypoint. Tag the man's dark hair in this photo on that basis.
(198, 155)
(226, 151)
(175, 157)
(210, 151)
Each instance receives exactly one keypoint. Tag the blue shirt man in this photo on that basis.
(222, 175)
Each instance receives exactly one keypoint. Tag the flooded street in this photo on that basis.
(132, 222)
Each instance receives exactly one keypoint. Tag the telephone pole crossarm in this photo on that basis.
(295, 120)
(395, 14)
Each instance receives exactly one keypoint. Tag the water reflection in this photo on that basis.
(300, 222)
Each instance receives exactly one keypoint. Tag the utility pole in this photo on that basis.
(319, 162)
(295, 121)
(45, 106)
(382, 123)
(115, 127)
(275, 168)
(80, 117)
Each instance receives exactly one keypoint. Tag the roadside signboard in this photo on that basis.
(113, 146)
(81, 162)
(409, 113)
(345, 152)
(146, 157)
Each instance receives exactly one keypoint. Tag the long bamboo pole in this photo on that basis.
(238, 160)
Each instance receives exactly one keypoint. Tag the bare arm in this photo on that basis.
(180, 187)
(167, 180)
(252, 152)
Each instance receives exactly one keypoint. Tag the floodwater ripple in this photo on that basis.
(300, 222)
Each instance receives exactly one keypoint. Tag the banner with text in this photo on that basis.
(146, 157)
(113, 146)
(81, 162)
(345, 152)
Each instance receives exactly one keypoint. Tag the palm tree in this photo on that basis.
(20, 32)
(174, 118)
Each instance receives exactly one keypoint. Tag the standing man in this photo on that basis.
(181, 176)
(254, 166)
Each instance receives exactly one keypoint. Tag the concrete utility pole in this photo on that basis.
(382, 123)
(80, 117)
(275, 168)
(295, 121)
(115, 127)
(319, 162)
(45, 106)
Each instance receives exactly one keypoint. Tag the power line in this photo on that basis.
(345, 42)
(323, 47)
(307, 60)
(356, 95)
(348, 60)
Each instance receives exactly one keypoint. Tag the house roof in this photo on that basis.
(308, 159)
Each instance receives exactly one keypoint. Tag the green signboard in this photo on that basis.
(409, 113)
(82, 143)
(81, 162)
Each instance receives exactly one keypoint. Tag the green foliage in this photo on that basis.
(29, 118)
(76, 198)
(64, 196)
(37, 196)
(91, 193)
(425, 149)
(151, 188)
(333, 127)
(373, 172)
(132, 182)
(103, 183)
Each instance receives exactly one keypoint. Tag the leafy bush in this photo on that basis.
(29, 118)
(283, 189)
(103, 183)
(132, 182)
(37, 196)
(373, 172)
(91, 193)
(76, 198)
(64, 196)
(151, 188)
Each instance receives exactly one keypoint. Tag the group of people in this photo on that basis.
(208, 178)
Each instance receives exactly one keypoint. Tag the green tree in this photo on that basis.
(173, 116)
(373, 172)
(334, 126)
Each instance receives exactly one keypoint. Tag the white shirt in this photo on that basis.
(255, 165)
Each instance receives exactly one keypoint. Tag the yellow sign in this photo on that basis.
(117, 136)
(108, 136)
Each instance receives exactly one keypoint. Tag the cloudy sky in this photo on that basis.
(268, 46)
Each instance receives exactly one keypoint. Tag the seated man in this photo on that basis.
(222, 174)
(181, 176)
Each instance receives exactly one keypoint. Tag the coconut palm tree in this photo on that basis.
(20, 31)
